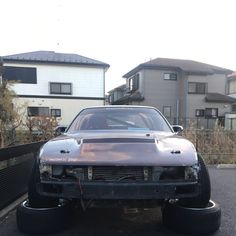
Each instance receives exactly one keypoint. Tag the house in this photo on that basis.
(56, 84)
(231, 117)
(231, 82)
(183, 90)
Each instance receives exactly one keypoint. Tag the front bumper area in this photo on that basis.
(114, 190)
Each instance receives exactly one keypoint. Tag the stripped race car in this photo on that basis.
(128, 156)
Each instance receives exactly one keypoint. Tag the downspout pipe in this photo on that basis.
(177, 111)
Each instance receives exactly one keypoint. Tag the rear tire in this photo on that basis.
(192, 221)
(43, 220)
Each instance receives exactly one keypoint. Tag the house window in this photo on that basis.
(56, 112)
(200, 113)
(60, 88)
(111, 98)
(232, 86)
(211, 112)
(38, 111)
(170, 76)
(234, 108)
(197, 88)
(27, 75)
(167, 111)
(134, 82)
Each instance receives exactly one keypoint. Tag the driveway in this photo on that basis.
(145, 222)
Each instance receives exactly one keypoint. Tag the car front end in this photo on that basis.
(143, 169)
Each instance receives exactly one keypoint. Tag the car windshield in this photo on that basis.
(119, 119)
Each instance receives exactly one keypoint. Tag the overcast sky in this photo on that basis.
(122, 33)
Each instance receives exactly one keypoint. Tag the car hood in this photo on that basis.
(119, 148)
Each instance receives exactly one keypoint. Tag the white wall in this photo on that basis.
(230, 121)
(86, 81)
(69, 107)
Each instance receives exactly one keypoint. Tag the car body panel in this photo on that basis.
(120, 148)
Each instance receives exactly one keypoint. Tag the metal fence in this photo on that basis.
(205, 123)
(15, 168)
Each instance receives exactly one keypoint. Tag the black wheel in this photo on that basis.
(43, 220)
(35, 199)
(192, 221)
(204, 195)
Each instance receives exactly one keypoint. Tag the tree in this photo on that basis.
(9, 117)
(12, 115)
(40, 127)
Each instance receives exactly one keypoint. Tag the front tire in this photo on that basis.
(194, 220)
(35, 199)
(203, 198)
(43, 220)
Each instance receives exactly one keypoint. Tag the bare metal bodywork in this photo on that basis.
(121, 148)
(119, 166)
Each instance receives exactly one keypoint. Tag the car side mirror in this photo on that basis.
(59, 130)
(177, 128)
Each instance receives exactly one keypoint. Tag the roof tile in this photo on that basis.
(188, 66)
(54, 57)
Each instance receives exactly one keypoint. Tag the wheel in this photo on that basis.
(192, 221)
(203, 198)
(43, 220)
(35, 199)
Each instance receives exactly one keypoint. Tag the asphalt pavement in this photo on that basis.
(100, 222)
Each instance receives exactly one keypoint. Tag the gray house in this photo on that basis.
(183, 90)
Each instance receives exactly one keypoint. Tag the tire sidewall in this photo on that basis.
(193, 220)
(43, 220)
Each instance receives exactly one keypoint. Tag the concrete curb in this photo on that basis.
(226, 166)
(12, 206)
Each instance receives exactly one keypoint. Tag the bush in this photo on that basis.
(216, 145)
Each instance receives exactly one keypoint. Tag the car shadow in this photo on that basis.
(115, 221)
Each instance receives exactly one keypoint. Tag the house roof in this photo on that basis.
(232, 75)
(217, 97)
(188, 66)
(120, 88)
(136, 96)
(53, 57)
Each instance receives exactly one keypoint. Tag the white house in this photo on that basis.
(56, 84)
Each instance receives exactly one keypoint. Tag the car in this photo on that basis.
(119, 156)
